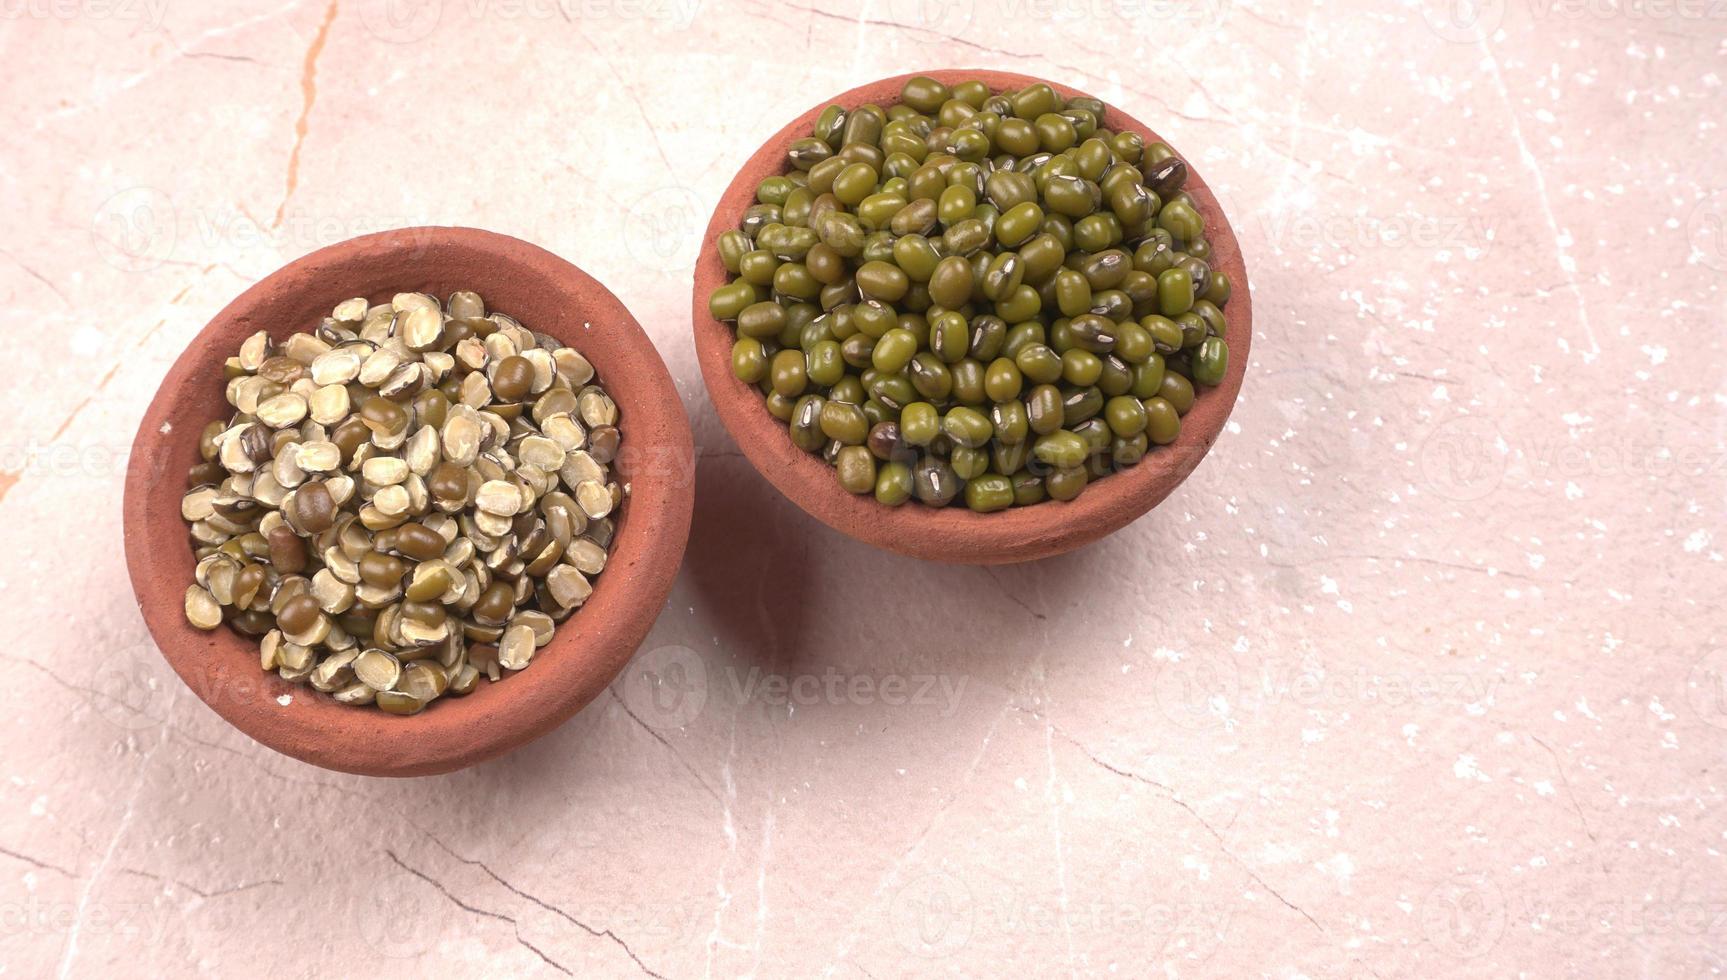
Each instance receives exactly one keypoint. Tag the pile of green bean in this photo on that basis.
(976, 294)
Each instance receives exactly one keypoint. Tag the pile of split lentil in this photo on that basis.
(407, 498)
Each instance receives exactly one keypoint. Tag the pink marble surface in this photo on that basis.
(1421, 673)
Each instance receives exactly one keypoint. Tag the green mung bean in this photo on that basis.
(970, 293)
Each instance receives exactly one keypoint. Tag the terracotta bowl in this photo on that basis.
(955, 534)
(657, 459)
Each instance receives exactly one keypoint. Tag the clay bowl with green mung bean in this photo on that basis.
(393, 534)
(971, 316)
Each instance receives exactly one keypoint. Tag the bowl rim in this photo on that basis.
(588, 651)
(956, 534)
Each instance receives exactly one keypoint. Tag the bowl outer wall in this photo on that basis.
(547, 294)
(955, 534)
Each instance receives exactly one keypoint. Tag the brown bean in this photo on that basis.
(429, 586)
(400, 703)
(419, 542)
(513, 379)
(247, 584)
(884, 440)
(207, 441)
(299, 615)
(549, 554)
(426, 613)
(432, 408)
(383, 416)
(287, 551)
(350, 436)
(536, 538)
(449, 482)
(358, 622)
(382, 571)
(256, 443)
(496, 604)
(456, 331)
(236, 509)
(205, 474)
(281, 439)
(252, 623)
(314, 508)
(282, 370)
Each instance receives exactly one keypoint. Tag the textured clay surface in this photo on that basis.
(1419, 674)
(545, 293)
(955, 534)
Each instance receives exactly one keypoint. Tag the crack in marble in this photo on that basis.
(193, 739)
(766, 854)
(1567, 264)
(39, 277)
(1491, 572)
(70, 953)
(716, 936)
(854, 930)
(1052, 801)
(1418, 376)
(1202, 89)
(936, 35)
(694, 774)
(476, 910)
(91, 695)
(1263, 19)
(201, 893)
(138, 78)
(308, 96)
(995, 574)
(547, 906)
(218, 56)
(1169, 794)
(172, 302)
(647, 121)
(78, 409)
(1565, 781)
(1302, 71)
(37, 862)
(1362, 133)
(1540, 292)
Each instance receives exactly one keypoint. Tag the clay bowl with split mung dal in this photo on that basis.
(955, 533)
(656, 461)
